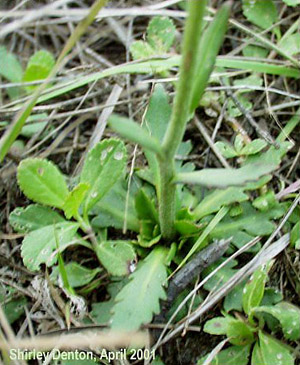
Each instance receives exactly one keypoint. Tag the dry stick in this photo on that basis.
(266, 253)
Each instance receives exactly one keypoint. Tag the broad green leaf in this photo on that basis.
(33, 217)
(134, 133)
(38, 68)
(252, 80)
(140, 50)
(217, 325)
(265, 201)
(239, 333)
(215, 200)
(233, 300)
(207, 53)
(112, 210)
(101, 312)
(12, 306)
(253, 147)
(38, 246)
(273, 352)
(291, 44)
(118, 257)
(221, 276)
(226, 149)
(234, 355)
(102, 168)
(11, 70)
(252, 51)
(140, 298)
(271, 296)
(222, 178)
(74, 199)
(234, 110)
(288, 315)
(77, 275)
(261, 13)
(41, 181)
(254, 289)
(161, 34)
(145, 207)
(292, 2)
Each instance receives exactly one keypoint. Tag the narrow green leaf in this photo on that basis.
(161, 34)
(41, 181)
(226, 149)
(74, 199)
(253, 147)
(102, 168)
(118, 257)
(254, 289)
(216, 199)
(38, 68)
(38, 246)
(134, 133)
(222, 178)
(139, 299)
(33, 217)
(273, 352)
(209, 47)
(78, 275)
(288, 315)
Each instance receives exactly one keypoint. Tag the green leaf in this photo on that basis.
(261, 13)
(221, 276)
(209, 47)
(253, 147)
(135, 133)
(33, 217)
(289, 317)
(38, 246)
(254, 289)
(14, 309)
(226, 149)
(270, 352)
(11, 70)
(161, 34)
(112, 211)
(232, 356)
(102, 168)
(145, 207)
(117, 257)
(252, 51)
(291, 44)
(239, 333)
(295, 235)
(101, 312)
(239, 143)
(38, 68)
(216, 199)
(222, 178)
(233, 300)
(77, 275)
(265, 201)
(292, 2)
(139, 299)
(217, 325)
(74, 199)
(234, 110)
(41, 181)
(140, 50)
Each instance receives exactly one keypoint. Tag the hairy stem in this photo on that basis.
(180, 116)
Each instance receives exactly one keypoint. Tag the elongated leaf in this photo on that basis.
(77, 275)
(41, 181)
(38, 68)
(271, 351)
(33, 217)
(134, 133)
(254, 289)
(215, 200)
(217, 325)
(209, 47)
(222, 178)
(102, 168)
(139, 299)
(112, 210)
(38, 246)
(232, 356)
(118, 257)
(145, 207)
(74, 199)
(288, 315)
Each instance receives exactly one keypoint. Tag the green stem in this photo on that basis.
(180, 116)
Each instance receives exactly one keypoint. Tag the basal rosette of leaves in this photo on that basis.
(165, 216)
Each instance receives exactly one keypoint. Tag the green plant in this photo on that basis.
(170, 221)
(261, 309)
